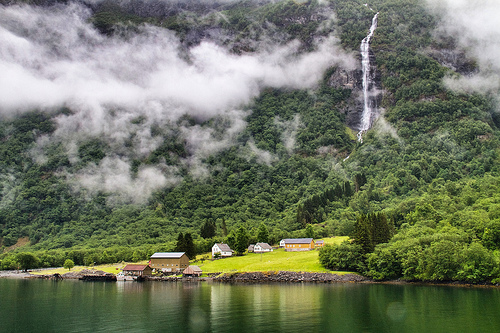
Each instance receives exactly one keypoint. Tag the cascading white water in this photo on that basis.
(368, 110)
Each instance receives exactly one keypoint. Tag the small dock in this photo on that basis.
(93, 277)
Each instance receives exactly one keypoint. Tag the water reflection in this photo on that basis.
(74, 306)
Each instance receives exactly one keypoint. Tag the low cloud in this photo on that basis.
(119, 87)
(289, 132)
(476, 27)
(112, 175)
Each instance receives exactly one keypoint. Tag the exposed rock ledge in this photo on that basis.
(282, 276)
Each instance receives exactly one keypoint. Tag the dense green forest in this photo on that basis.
(419, 195)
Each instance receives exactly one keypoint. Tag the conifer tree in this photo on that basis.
(363, 234)
(189, 246)
(347, 189)
(180, 245)
(241, 240)
(381, 230)
(309, 231)
(263, 234)
(224, 227)
(208, 228)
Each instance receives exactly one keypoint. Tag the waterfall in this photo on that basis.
(368, 109)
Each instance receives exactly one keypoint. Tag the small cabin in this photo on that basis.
(137, 270)
(319, 243)
(192, 271)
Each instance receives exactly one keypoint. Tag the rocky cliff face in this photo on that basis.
(456, 60)
(353, 80)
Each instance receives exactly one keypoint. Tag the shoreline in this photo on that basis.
(264, 277)
(289, 277)
(18, 274)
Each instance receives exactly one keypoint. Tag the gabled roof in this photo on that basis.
(192, 270)
(134, 267)
(167, 255)
(320, 241)
(224, 247)
(298, 240)
(264, 246)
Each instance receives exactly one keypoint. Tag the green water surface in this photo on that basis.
(76, 306)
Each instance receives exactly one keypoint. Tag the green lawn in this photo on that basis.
(110, 268)
(278, 260)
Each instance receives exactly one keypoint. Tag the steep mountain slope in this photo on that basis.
(127, 122)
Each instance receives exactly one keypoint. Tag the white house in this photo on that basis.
(223, 249)
(283, 242)
(262, 247)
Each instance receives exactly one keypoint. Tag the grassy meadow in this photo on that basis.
(278, 260)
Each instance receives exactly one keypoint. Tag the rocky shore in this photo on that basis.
(14, 274)
(292, 277)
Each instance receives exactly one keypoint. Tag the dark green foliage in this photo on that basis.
(27, 260)
(241, 242)
(208, 229)
(370, 230)
(180, 245)
(309, 231)
(344, 257)
(69, 264)
(359, 180)
(189, 247)
(312, 209)
(429, 255)
(263, 234)
(185, 243)
(224, 227)
(434, 173)
(92, 151)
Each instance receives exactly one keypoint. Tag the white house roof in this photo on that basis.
(223, 247)
(167, 255)
(264, 246)
(298, 240)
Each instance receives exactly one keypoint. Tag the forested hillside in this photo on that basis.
(125, 123)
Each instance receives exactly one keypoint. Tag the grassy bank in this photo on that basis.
(278, 260)
(111, 268)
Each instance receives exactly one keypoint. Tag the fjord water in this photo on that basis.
(75, 306)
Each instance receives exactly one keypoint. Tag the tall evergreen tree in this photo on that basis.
(241, 240)
(363, 234)
(370, 230)
(263, 234)
(189, 247)
(381, 230)
(224, 227)
(180, 244)
(359, 180)
(347, 189)
(208, 228)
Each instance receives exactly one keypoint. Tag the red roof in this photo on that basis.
(135, 267)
